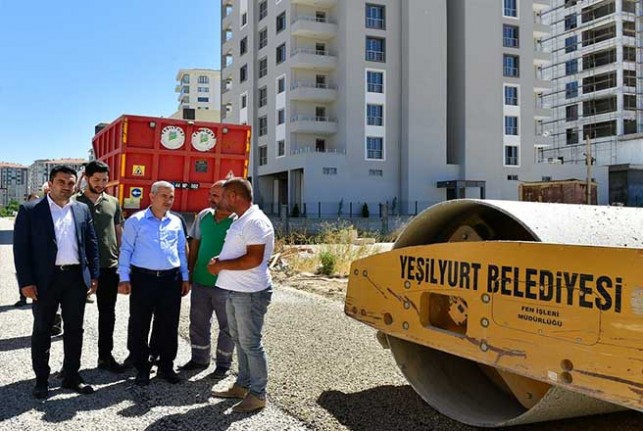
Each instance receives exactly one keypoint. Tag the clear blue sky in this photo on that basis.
(67, 65)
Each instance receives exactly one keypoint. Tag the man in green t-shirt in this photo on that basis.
(108, 219)
(208, 234)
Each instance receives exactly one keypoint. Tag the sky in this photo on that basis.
(68, 65)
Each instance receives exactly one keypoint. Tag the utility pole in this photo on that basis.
(588, 163)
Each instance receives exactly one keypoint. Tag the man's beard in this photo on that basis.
(93, 190)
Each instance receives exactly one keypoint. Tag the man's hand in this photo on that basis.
(30, 291)
(185, 288)
(92, 289)
(214, 266)
(124, 288)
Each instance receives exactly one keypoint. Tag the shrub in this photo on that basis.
(328, 262)
(295, 211)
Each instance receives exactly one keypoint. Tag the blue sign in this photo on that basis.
(136, 192)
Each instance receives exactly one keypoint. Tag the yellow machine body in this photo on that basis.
(497, 332)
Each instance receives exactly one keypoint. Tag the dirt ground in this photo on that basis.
(334, 287)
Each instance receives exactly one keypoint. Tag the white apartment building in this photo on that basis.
(39, 171)
(199, 90)
(404, 102)
(13, 183)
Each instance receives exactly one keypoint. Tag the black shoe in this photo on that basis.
(169, 376)
(41, 390)
(111, 365)
(142, 378)
(56, 331)
(218, 373)
(128, 362)
(189, 366)
(77, 386)
(154, 360)
(21, 303)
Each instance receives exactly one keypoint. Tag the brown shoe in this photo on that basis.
(233, 392)
(250, 403)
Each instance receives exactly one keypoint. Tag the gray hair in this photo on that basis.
(162, 184)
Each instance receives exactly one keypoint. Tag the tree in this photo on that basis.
(365, 212)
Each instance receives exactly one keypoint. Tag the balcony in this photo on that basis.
(326, 4)
(540, 5)
(541, 30)
(313, 92)
(542, 112)
(313, 27)
(310, 58)
(296, 149)
(541, 84)
(313, 125)
(542, 58)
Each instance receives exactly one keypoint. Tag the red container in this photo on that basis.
(190, 154)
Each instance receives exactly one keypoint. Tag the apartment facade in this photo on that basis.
(200, 90)
(39, 171)
(595, 76)
(13, 183)
(407, 102)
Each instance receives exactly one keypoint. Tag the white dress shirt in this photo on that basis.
(65, 233)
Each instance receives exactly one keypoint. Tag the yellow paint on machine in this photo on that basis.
(566, 315)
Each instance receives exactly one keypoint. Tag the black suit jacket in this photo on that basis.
(34, 244)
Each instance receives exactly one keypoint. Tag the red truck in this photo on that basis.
(190, 154)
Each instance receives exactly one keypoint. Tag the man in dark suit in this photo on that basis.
(56, 258)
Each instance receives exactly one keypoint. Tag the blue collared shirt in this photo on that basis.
(154, 244)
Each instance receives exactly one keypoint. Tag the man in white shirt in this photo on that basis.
(242, 269)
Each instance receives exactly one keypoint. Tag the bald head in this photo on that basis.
(214, 198)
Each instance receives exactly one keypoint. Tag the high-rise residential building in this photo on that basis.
(594, 74)
(406, 102)
(39, 171)
(13, 183)
(199, 90)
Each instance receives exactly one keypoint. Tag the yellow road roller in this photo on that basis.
(501, 313)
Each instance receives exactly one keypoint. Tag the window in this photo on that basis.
(511, 125)
(571, 22)
(375, 49)
(320, 113)
(511, 65)
(281, 22)
(281, 116)
(263, 67)
(571, 66)
(571, 44)
(243, 46)
(320, 145)
(511, 8)
(375, 82)
(511, 95)
(203, 89)
(374, 115)
(263, 37)
(629, 78)
(202, 99)
(329, 171)
(281, 148)
(281, 85)
(629, 53)
(571, 113)
(570, 3)
(263, 155)
(243, 73)
(374, 148)
(263, 125)
(263, 9)
(320, 81)
(512, 177)
(281, 53)
(375, 16)
(600, 130)
(375, 172)
(629, 102)
(629, 127)
(263, 96)
(510, 36)
(244, 19)
(244, 100)
(571, 90)
(511, 155)
(203, 79)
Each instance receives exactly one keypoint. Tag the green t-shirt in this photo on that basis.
(106, 214)
(211, 235)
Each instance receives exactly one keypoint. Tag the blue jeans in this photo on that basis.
(246, 313)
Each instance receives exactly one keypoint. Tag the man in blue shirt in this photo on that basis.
(153, 267)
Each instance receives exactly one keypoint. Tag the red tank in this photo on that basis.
(190, 154)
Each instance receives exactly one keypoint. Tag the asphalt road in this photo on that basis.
(326, 372)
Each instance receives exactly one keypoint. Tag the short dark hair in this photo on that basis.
(240, 186)
(61, 168)
(96, 166)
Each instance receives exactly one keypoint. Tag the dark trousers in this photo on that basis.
(158, 297)
(106, 295)
(69, 291)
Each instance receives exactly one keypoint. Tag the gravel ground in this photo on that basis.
(326, 371)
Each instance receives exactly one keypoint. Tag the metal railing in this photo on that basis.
(376, 23)
(310, 18)
(310, 84)
(323, 119)
(375, 55)
(306, 149)
(312, 51)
